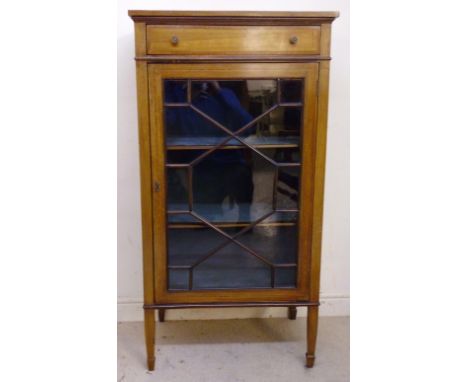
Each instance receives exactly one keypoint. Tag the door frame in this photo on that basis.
(156, 74)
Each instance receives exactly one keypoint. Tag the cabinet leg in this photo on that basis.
(312, 323)
(150, 337)
(292, 312)
(161, 315)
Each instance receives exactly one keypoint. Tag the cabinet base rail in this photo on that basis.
(230, 304)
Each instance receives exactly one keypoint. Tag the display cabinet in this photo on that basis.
(232, 115)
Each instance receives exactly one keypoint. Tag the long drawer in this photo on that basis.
(228, 40)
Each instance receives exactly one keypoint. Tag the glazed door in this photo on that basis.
(232, 162)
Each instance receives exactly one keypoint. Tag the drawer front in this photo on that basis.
(217, 40)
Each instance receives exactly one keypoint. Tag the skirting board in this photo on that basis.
(132, 310)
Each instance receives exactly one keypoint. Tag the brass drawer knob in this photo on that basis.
(174, 40)
(293, 40)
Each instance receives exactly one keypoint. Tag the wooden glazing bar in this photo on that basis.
(190, 281)
(189, 91)
(190, 187)
(275, 188)
(278, 91)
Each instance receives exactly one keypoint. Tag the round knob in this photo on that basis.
(174, 40)
(293, 40)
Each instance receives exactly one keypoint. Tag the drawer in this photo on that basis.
(229, 40)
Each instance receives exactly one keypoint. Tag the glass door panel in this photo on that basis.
(233, 174)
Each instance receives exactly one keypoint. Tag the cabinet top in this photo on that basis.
(134, 14)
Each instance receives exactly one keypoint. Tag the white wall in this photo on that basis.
(335, 253)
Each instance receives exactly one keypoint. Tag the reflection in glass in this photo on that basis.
(285, 154)
(287, 189)
(177, 187)
(178, 279)
(285, 277)
(233, 164)
(232, 267)
(231, 104)
(291, 90)
(175, 91)
(275, 242)
(186, 246)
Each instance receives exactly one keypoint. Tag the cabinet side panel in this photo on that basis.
(319, 178)
(158, 161)
(140, 39)
(307, 169)
(145, 180)
(325, 38)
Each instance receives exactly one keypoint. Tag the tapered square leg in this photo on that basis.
(312, 325)
(161, 315)
(150, 337)
(292, 312)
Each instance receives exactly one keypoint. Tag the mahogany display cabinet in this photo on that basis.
(232, 116)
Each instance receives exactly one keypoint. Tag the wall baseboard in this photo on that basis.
(330, 305)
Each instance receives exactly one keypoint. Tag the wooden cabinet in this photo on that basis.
(232, 113)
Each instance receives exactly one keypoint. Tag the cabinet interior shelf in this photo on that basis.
(178, 218)
(199, 143)
(231, 225)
